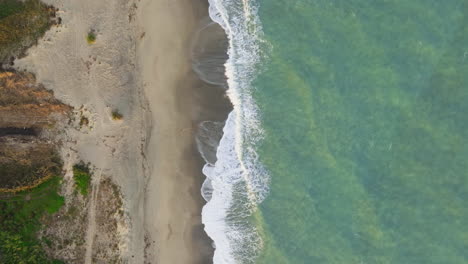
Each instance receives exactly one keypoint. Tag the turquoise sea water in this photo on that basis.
(363, 111)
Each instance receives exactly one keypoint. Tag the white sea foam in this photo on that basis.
(237, 182)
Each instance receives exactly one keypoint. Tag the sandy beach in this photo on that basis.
(140, 65)
(173, 202)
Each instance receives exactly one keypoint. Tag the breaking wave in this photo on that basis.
(236, 182)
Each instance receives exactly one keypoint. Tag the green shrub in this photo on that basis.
(116, 115)
(91, 38)
(84, 121)
(20, 222)
(82, 177)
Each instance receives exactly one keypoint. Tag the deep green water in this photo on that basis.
(365, 109)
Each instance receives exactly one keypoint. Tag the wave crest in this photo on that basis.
(237, 182)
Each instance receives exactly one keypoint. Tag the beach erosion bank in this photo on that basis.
(178, 101)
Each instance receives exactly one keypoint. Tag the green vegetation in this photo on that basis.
(26, 169)
(20, 220)
(21, 24)
(116, 115)
(9, 7)
(91, 38)
(28, 183)
(84, 121)
(82, 177)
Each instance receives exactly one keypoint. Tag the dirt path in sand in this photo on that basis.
(91, 230)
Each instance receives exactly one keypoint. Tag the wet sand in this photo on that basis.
(178, 100)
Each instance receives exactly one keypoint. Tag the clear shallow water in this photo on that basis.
(351, 117)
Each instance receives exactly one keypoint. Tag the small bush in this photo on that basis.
(116, 115)
(82, 177)
(91, 38)
(84, 121)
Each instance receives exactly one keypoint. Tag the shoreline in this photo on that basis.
(178, 101)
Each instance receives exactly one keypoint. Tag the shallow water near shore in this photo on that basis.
(347, 143)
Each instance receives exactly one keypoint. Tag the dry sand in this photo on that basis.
(97, 79)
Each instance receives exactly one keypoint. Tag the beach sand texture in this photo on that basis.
(139, 65)
(173, 202)
(98, 79)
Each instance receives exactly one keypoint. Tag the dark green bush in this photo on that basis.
(9, 7)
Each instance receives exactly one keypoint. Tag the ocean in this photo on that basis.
(348, 141)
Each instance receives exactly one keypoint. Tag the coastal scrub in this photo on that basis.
(21, 24)
(25, 165)
(82, 177)
(9, 7)
(20, 221)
